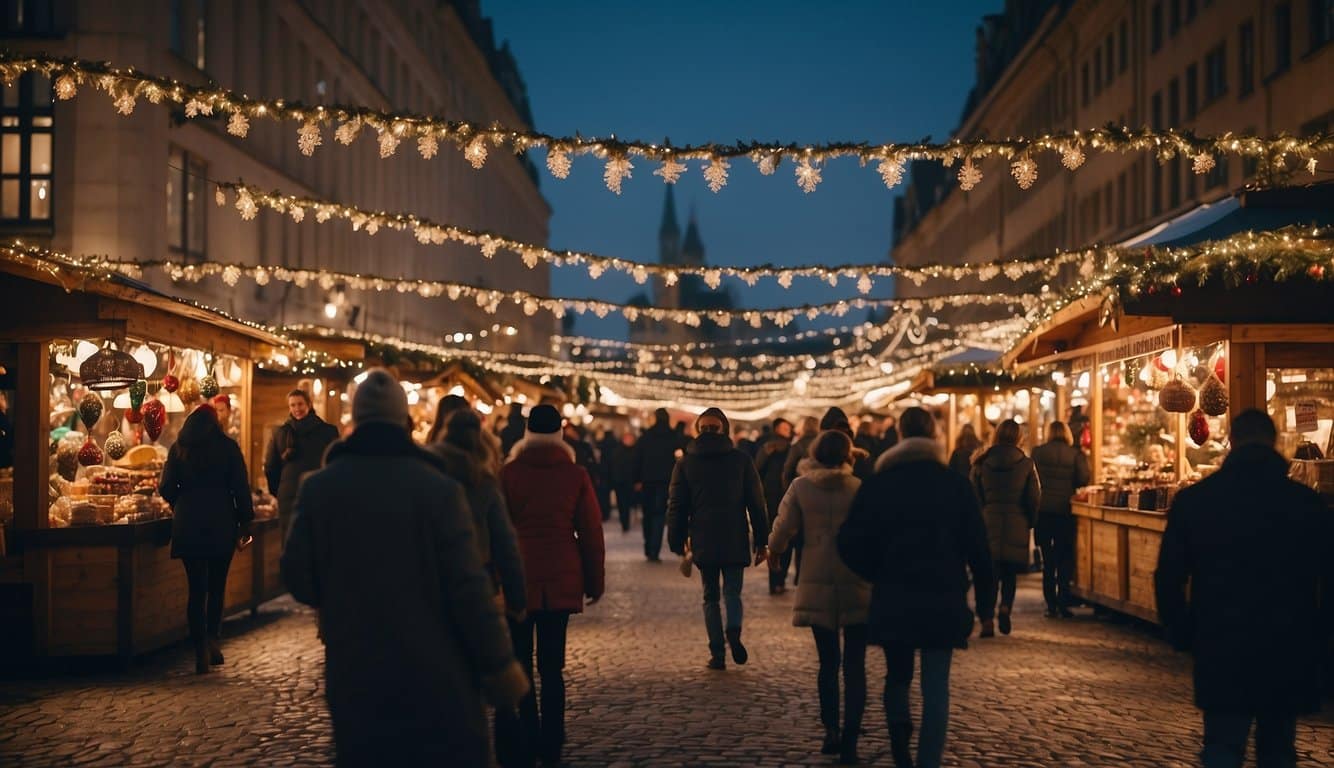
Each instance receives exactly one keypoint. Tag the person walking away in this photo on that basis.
(584, 456)
(889, 435)
(606, 445)
(1008, 491)
(383, 546)
(1062, 469)
(866, 439)
(1259, 632)
(555, 512)
(831, 598)
(965, 446)
(655, 456)
(836, 418)
(204, 481)
(801, 448)
(297, 447)
(513, 431)
(467, 459)
(717, 504)
(916, 533)
(769, 462)
(623, 479)
(447, 407)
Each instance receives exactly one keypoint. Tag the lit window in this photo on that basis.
(26, 151)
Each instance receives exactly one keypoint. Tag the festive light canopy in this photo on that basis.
(126, 85)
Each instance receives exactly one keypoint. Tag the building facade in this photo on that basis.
(80, 178)
(1208, 66)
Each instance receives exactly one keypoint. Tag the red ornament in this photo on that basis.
(1086, 439)
(1198, 428)
(1317, 271)
(1151, 290)
(155, 417)
(1220, 367)
(133, 416)
(90, 454)
(1252, 278)
(170, 383)
(1176, 291)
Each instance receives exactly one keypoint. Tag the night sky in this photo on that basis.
(698, 71)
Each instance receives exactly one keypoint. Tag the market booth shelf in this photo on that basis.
(1153, 386)
(85, 566)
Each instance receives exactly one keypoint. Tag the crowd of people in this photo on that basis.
(486, 541)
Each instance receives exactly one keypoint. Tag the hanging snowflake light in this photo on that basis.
(231, 274)
(808, 176)
(245, 204)
(768, 164)
(864, 284)
(530, 307)
(1311, 165)
(891, 171)
(347, 132)
(428, 146)
(713, 278)
(1202, 163)
(558, 162)
(261, 276)
(670, 278)
(66, 87)
(194, 108)
(220, 197)
(490, 246)
(670, 170)
(238, 125)
(785, 279)
(1072, 156)
(475, 153)
(595, 269)
(124, 103)
(388, 144)
(530, 257)
(308, 137)
(969, 175)
(1025, 172)
(715, 173)
(298, 213)
(640, 274)
(616, 171)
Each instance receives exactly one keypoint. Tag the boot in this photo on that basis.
(1003, 619)
(900, 744)
(988, 628)
(215, 650)
(739, 654)
(201, 657)
(832, 741)
(847, 752)
(716, 661)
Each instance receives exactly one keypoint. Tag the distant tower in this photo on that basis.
(692, 251)
(669, 252)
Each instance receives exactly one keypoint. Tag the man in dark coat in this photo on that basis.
(515, 427)
(915, 532)
(623, 478)
(1245, 582)
(655, 456)
(717, 505)
(769, 462)
(801, 447)
(297, 447)
(1062, 469)
(382, 545)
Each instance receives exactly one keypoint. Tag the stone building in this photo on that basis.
(83, 179)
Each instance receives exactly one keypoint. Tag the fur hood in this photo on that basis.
(538, 441)
(827, 478)
(911, 449)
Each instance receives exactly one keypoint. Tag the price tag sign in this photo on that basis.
(1305, 413)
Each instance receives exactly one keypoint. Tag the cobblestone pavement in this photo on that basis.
(1087, 692)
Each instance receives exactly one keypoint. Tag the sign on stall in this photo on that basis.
(1305, 412)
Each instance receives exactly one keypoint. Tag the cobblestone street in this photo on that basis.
(1055, 693)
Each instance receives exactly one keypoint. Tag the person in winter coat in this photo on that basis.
(867, 440)
(1245, 582)
(297, 447)
(769, 462)
(513, 431)
(623, 479)
(889, 435)
(862, 464)
(383, 546)
(716, 505)
(1008, 490)
(915, 532)
(965, 445)
(447, 407)
(204, 481)
(801, 448)
(555, 512)
(1062, 469)
(831, 597)
(655, 456)
(467, 459)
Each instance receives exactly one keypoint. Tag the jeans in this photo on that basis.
(207, 577)
(625, 504)
(778, 576)
(732, 577)
(854, 676)
(1226, 734)
(935, 698)
(1007, 581)
(655, 519)
(523, 738)
(1056, 538)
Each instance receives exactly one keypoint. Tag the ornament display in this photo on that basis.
(1177, 397)
(1220, 367)
(1213, 397)
(189, 391)
(1198, 428)
(114, 445)
(90, 410)
(170, 383)
(138, 390)
(67, 454)
(134, 415)
(90, 455)
(155, 418)
(208, 387)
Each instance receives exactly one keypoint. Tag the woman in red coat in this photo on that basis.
(556, 516)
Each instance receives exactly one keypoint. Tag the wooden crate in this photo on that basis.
(85, 588)
(1109, 560)
(1084, 553)
(1142, 546)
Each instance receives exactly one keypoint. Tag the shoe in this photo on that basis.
(833, 741)
(201, 657)
(739, 654)
(1066, 613)
(1003, 620)
(215, 651)
(847, 755)
(717, 662)
(900, 744)
(988, 628)
(1050, 613)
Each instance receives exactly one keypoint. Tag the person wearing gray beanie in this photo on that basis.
(379, 399)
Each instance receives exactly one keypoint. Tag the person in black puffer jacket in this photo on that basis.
(716, 504)
(654, 458)
(1062, 469)
(1007, 487)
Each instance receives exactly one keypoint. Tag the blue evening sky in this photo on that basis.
(698, 71)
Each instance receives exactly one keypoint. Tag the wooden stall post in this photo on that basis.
(951, 423)
(31, 450)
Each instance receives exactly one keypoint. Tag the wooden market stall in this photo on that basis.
(983, 397)
(85, 568)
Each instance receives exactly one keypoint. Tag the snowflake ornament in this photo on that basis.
(640, 274)
(785, 279)
(1202, 163)
(298, 213)
(66, 87)
(1072, 156)
(808, 176)
(670, 278)
(238, 125)
(261, 276)
(670, 170)
(713, 278)
(891, 171)
(715, 173)
(1311, 165)
(558, 162)
(475, 153)
(308, 138)
(347, 132)
(124, 103)
(617, 170)
(428, 146)
(768, 164)
(969, 175)
(864, 284)
(388, 144)
(219, 197)
(245, 205)
(230, 275)
(1025, 172)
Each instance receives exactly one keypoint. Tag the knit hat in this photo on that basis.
(835, 418)
(716, 413)
(379, 398)
(544, 420)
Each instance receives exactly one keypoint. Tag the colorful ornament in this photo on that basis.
(115, 445)
(1086, 439)
(170, 383)
(1198, 428)
(208, 387)
(138, 390)
(189, 391)
(90, 410)
(133, 415)
(1213, 397)
(90, 455)
(1220, 367)
(155, 417)
(1177, 397)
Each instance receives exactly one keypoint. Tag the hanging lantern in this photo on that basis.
(110, 369)
(133, 416)
(147, 358)
(155, 417)
(1213, 397)
(115, 445)
(1177, 397)
(90, 410)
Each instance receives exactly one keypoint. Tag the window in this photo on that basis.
(1123, 48)
(1156, 191)
(1107, 52)
(1156, 28)
(1217, 176)
(1321, 22)
(26, 151)
(187, 204)
(1157, 110)
(189, 30)
(1215, 73)
(1246, 58)
(27, 17)
(1282, 38)
(1173, 103)
(1121, 201)
(1192, 91)
(1174, 182)
(1097, 72)
(1084, 78)
(1174, 18)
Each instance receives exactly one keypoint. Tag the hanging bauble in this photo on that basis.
(1158, 377)
(1220, 367)
(1086, 439)
(90, 410)
(138, 390)
(1161, 364)
(133, 415)
(155, 417)
(90, 455)
(115, 445)
(1177, 397)
(1198, 428)
(189, 391)
(208, 387)
(1213, 397)
(67, 454)
(170, 383)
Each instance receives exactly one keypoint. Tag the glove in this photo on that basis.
(506, 688)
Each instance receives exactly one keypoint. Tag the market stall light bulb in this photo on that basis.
(414, 397)
(1170, 359)
(83, 351)
(992, 412)
(360, 377)
(456, 390)
(1271, 389)
(330, 310)
(147, 358)
(1083, 382)
(317, 387)
(122, 400)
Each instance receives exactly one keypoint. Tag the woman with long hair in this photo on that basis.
(1007, 487)
(448, 406)
(205, 482)
(297, 447)
(965, 445)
